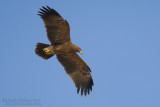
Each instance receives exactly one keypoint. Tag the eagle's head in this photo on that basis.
(75, 48)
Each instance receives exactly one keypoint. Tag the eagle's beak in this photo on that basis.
(80, 52)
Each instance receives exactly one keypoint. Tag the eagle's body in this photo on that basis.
(58, 32)
(61, 49)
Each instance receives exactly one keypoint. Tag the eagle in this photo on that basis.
(58, 33)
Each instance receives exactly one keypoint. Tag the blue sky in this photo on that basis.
(120, 40)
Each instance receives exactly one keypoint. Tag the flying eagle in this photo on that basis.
(58, 33)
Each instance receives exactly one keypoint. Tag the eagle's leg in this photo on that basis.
(49, 50)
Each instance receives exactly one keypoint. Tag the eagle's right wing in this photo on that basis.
(58, 30)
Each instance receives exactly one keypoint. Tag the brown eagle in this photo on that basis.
(58, 33)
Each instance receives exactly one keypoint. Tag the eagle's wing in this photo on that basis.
(58, 30)
(78, 70)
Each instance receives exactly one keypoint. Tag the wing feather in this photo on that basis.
(58, 30)
(78, 70)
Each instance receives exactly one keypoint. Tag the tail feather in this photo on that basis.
(39, 51)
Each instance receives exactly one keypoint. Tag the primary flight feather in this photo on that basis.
(58, 33)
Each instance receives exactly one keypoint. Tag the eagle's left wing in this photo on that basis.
(78, 70)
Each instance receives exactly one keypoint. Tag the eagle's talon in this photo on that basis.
(47, 51)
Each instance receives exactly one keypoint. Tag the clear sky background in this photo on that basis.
(120, 40)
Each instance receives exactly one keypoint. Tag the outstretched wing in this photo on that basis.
(58, 30)
(78, 70)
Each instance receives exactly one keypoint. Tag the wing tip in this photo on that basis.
(85, 88)
(47, 11)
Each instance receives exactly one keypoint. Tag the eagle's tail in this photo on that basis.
(40, 52)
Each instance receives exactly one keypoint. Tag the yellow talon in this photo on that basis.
(47, 51)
